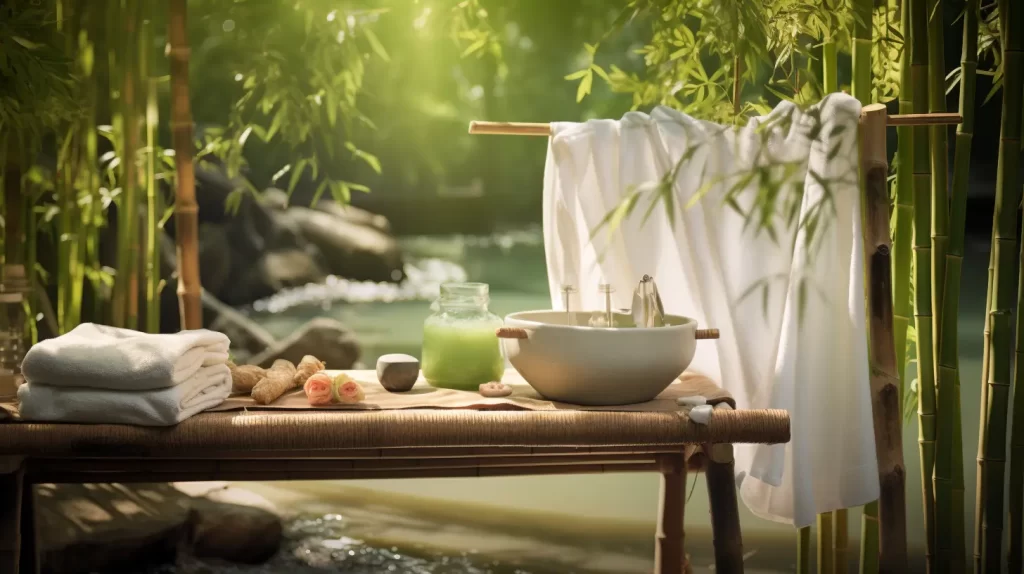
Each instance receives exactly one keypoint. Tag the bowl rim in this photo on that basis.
(686, 323)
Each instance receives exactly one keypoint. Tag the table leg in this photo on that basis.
(725, 513)
(669, 553)
(30, 562)
(10, 519)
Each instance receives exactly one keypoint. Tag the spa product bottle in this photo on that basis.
(460, 349)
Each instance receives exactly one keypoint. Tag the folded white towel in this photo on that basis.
(103, 357)
(207, 388)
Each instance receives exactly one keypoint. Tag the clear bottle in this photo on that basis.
(460, 348)
(12, 328)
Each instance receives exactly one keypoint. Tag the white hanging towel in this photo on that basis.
(800, 345)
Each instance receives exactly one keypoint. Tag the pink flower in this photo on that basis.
(347, 391)
(318, 390)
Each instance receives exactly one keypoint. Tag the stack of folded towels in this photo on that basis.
(101, 374)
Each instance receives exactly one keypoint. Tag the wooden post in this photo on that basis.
(669, 553)
(720, 475)
(725, 512)
(186, 211)
(885, 399)
(10, 518)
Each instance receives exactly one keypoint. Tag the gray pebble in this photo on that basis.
(397, 372)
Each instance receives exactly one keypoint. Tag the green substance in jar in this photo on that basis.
(461, 355)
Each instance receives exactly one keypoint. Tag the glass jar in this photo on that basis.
(460, 348)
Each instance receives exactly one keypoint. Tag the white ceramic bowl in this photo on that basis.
(598, 366)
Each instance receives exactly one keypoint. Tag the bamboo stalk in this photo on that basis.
(942, 470)
(124, 312)
(862, 36)
(826, 560)
(840, 539)
(829, 67)
(803, 551)
(949, 479)
(903, 213)
(922, 271)
(154, 207)
(885, 406)
(186, 211)
(154, 212)
(992, 461)
(1015, 553)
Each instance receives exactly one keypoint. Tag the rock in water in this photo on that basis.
(233, 532)
(398, 372)
(350, 250)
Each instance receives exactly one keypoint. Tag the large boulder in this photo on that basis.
(109, 527)
(350, 249)
(234, 532)
(325, 339)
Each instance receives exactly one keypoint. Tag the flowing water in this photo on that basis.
(599, 523)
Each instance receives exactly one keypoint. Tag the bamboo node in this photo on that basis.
(883, 249)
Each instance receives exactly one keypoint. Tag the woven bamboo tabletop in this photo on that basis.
(214, 434)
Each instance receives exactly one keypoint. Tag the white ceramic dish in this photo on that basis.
(598, 366)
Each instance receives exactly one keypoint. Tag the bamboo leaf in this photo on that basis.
(375, 44)
(584, 87)
(577, 74)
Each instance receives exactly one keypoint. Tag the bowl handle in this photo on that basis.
(511, 333)
(705, 334)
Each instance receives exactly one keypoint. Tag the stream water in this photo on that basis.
(599, 523)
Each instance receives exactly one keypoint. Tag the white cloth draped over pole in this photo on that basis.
(793, 326)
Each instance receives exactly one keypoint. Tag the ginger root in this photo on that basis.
(280, 378)
(245, 377)
(308, 366)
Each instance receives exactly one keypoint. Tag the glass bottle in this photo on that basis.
(460, 348)
(12, 328)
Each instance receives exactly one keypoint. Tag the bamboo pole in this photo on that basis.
(186, 211)
(949, 474)
(479, 127)
(991, 460)
(884, 380)
(922, 271)
(669, 551)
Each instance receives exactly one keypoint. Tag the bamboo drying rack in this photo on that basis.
(886, 414)
(544, 129)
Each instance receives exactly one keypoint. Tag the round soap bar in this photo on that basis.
(693, 401)
(398, 372)
(495, 389)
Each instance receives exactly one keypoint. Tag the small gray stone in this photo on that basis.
(397, 372)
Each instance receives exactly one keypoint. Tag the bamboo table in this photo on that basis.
(304, 445)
